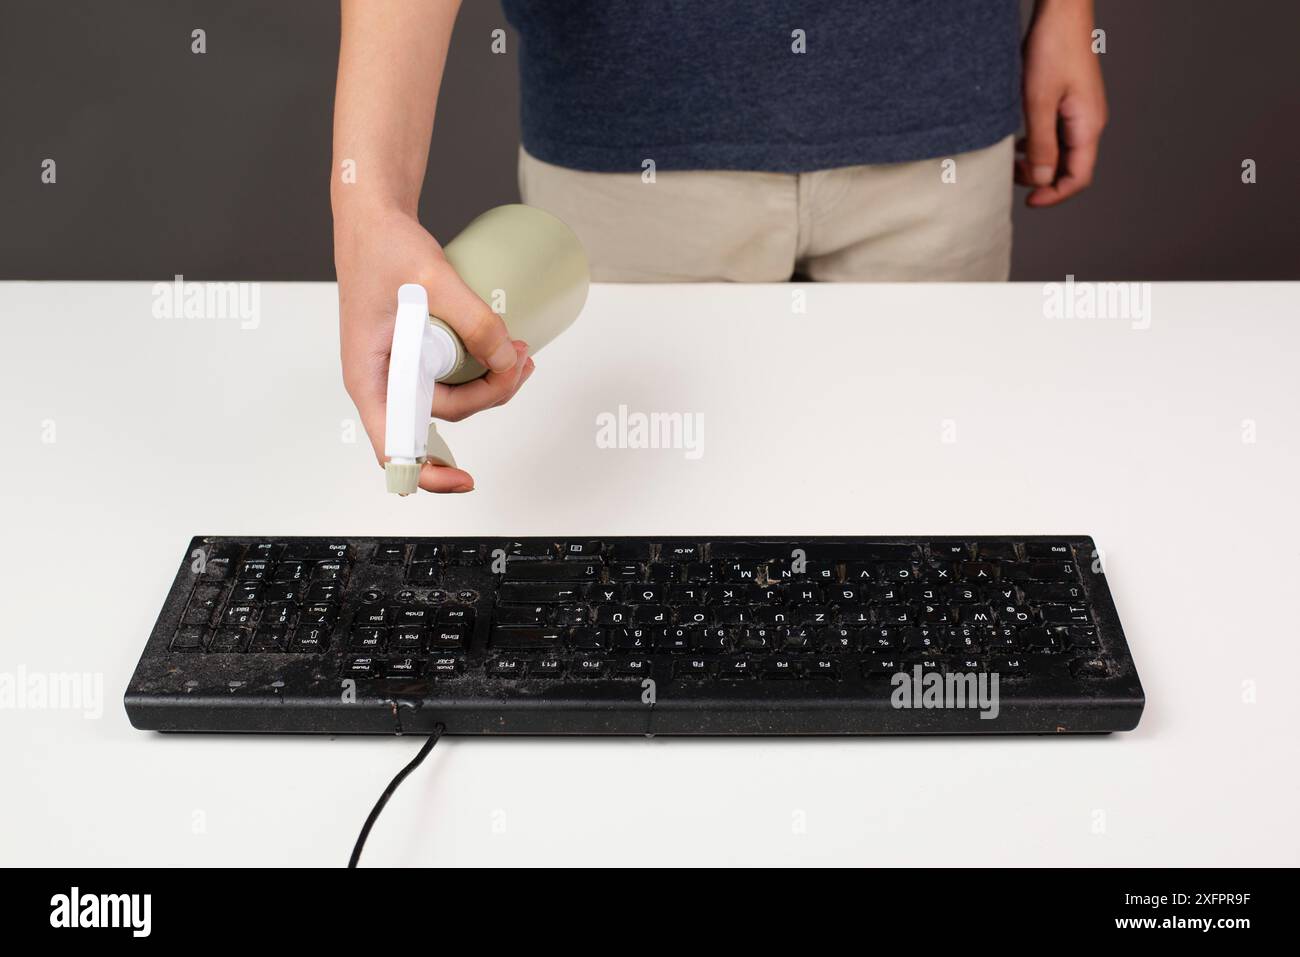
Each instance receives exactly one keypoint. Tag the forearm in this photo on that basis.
(391, 58)
(1077, 12)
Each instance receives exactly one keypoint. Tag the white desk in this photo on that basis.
(826, 422)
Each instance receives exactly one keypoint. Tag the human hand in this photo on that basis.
(1065, 103)
(374, 253)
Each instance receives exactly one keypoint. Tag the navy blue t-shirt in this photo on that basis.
(717, 84)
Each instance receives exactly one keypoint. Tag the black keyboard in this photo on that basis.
(638, 636)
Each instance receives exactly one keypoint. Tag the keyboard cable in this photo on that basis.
(423, 753)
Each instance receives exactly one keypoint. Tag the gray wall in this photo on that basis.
(217, 166)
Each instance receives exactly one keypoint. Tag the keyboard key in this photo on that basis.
(588, 667)
(423, 573)
(505, 667)
(403, 667)
(360, 667)
(996, 551)
(821, 668)
(240, 615)
(630, 551)
(733, 668)
(582, 551)
(547, 668)
(454, 615)
(389, 553)
(448, 636)
(691, 668)
(269, 639)
(634, 667)
(520, 615)
(369, 639)
(189, 638)
(313, 638)
(1049, 550)
(520, 594)
(445, 666)
(427, 553)
(526, 639)
(407, 640)
(551, 571)
(780, 668)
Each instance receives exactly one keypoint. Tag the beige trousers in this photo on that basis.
(942, 219)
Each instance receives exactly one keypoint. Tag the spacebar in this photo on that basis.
(526, 639)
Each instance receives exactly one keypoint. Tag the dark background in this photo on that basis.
(217, 166)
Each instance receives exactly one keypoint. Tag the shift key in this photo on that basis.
(552, 571)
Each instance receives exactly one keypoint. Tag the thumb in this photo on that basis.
(1042, 152)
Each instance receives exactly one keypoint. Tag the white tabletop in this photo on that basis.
(1176, 446)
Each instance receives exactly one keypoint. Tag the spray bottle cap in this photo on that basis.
(422, 353)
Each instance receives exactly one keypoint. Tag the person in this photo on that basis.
(736, 140)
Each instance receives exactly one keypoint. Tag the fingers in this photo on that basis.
(454, 403)
(1080, 133)
(1041, 150)
(482, 330)
(442, 478)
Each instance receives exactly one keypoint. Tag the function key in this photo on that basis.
(505, 667)
(691, 668)
(734, 667)
(821, 668)
(780, 668)
(547, 668)
(588, 667)
(577, 551)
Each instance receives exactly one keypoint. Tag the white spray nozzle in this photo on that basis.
(422, 353)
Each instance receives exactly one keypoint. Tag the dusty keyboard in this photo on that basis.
(845, 635)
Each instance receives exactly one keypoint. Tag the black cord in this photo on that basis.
(423, 753)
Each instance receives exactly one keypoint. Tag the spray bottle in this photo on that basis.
(521, 260)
